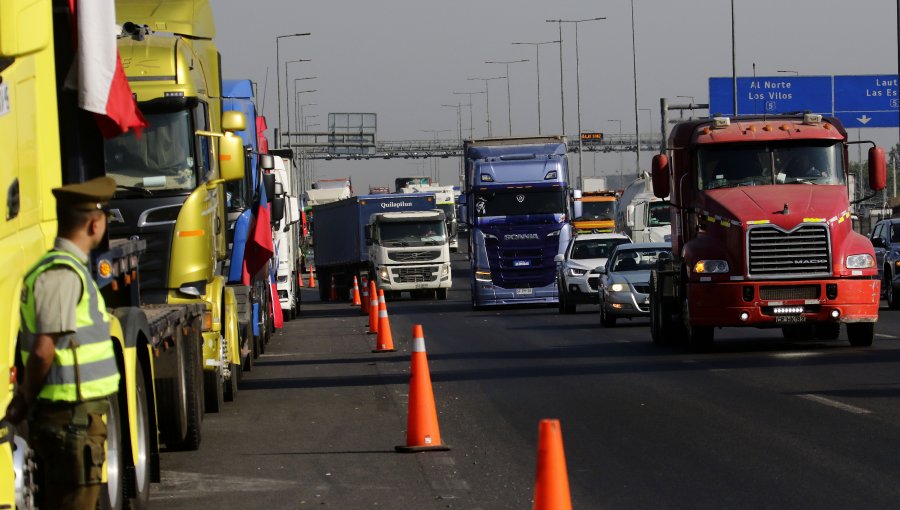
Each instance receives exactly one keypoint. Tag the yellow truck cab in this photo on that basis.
(597, 212)
(171, 178)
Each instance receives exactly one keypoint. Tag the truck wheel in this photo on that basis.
(324, 282)
(141, 475)
(698, 338)
(828, 330)
(180, 411)
(861, 334)
(250, 345)
(660, 314)
(213, 390)
(231, 384)
(113, 492)
(442, 294)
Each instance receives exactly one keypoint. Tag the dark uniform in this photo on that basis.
(66, 424)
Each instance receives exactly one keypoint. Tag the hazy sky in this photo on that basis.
(402, 59)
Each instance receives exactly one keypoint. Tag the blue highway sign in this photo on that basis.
(867, 101)
(771, 95)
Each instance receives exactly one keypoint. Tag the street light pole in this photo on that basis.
(620, 152)
(297, 119)
(471, 126)
(637, 129)
(278, 39)
(537, 57)
(508, 98)
(562, 95)
(487, 100)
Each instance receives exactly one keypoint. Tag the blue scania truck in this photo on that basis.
(516, 194)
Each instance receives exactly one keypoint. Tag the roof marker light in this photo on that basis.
(812, 118)
(721, 122)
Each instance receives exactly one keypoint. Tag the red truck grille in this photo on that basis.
(803, 252)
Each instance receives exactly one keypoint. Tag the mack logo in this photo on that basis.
(810, 261)
(520, 237)
(389, 205)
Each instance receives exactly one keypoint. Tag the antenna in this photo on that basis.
(262, 104)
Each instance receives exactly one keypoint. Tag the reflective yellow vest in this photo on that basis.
(84, 367)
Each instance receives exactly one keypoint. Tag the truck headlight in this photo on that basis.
(860, 261)
(445, 270)
(618, 287)
(711, 266)
(483, 276)
(384, 274)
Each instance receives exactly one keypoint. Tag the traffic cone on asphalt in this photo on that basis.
(384, 342)
(356, 301)
(312, 278)
(364, 300)
(373, 308)
(332, 295)
(300, 279)
(551, 486)
(422, 433)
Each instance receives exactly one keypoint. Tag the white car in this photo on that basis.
(575, 273)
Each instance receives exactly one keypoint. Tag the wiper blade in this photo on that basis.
(143, 191)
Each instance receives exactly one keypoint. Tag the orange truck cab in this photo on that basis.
(595, 212)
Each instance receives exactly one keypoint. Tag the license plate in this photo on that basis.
(789, 319)
(421, 285)
(524, 292)
(521, 263)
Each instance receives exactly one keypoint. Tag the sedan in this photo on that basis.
(624, 289)
(576, 273)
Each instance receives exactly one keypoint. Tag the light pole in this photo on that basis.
(435, 172)
(537, 58)
(278, 39)
(562, 95)
(620, 152)
(297, 101)
(471, 128)
(458, 107)
(577, 22)
(637, 128)
(508, 99)
(487, 100)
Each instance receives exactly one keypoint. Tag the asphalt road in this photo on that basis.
(759, 422)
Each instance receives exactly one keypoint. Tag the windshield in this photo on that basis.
(598, 210)
(412, 233)
(595, 248)
(161, 160)
(449, 210)
(659, 214)
(640, 259)
(729, 165)
(518, 202)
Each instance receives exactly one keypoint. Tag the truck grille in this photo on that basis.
(414, 256)
(415, 274)
(802, 252)
(785, 292)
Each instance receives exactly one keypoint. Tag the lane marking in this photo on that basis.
(834, 403)
(882, 335)
(794, 355)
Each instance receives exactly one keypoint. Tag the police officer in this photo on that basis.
(70, 366)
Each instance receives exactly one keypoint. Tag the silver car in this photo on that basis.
(624, 289)
(576, 275)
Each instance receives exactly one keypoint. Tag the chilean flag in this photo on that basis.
(259, 248)
(262, 142)
(101, 83)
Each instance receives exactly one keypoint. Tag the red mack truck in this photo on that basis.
(761, 232)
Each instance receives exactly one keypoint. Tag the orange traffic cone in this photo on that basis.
(332, 295)
(300, 279)
(551, 486)
(384, 341)
(356, 301)
(364, 299)
(312, 278)
(422, 433)
(373, 308)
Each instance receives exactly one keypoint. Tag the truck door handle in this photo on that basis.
(12, 200)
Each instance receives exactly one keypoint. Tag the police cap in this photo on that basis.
(92, 195)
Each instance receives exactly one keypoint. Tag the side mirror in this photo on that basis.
(277, 210)
(233, 121)
(231, 157)
(21, 33)
(576, 194)
(877, 169)
(266, 161)
(269, 183)
(878, 242)
(661, 175)
(629, 216)
(559, 257)
(600, 269)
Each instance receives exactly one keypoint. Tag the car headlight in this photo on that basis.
(711, 266)
(384, 274)
(574, 271)
(483, 276)
(860, 261)
(618, 287)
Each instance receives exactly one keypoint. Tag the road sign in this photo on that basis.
(352, 128)
(591, 137)
(771, 95)
(867, 101)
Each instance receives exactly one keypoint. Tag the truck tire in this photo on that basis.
(231, 384)
(141, 474)
(698, 338)
(442, 294)
(112, 494)
(324, 283)
(180, 412)
(213, 390)
(861, 334)
(661, 327)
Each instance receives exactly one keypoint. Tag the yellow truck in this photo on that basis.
(46, 141)
(595, 212)
(171, 178)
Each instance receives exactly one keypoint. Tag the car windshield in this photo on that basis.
(595, 248)
(162, 159)
(731, 165)
(638, 259)
(659, 214)
(519, 202)
(410, 233)
(598, 210)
